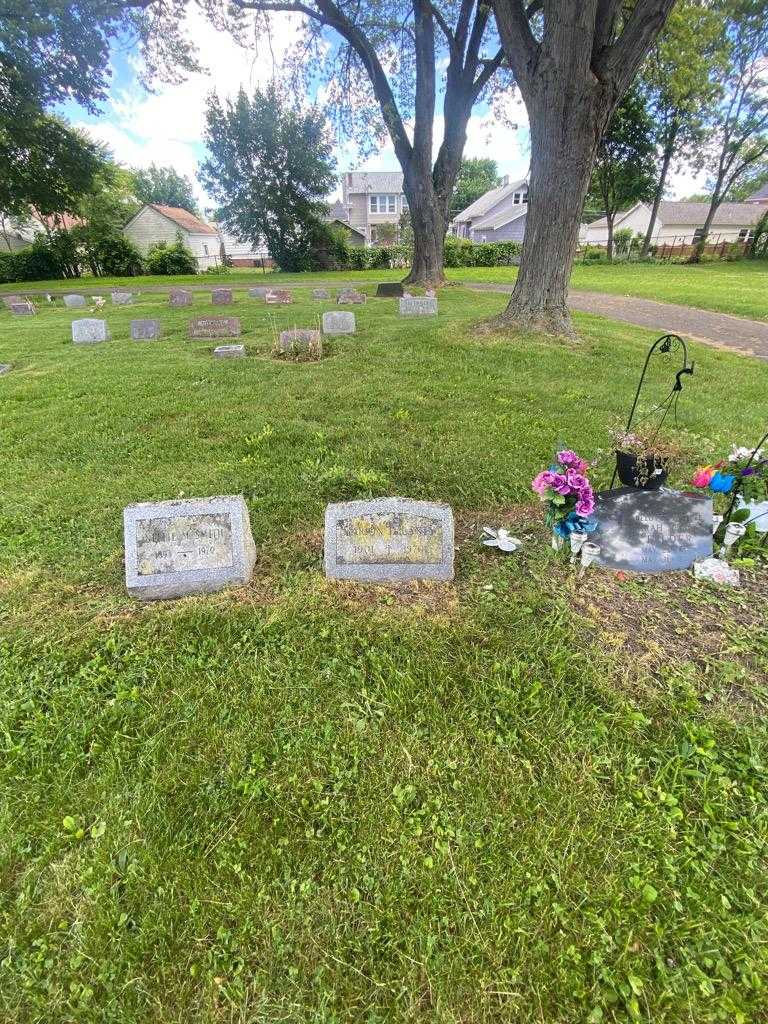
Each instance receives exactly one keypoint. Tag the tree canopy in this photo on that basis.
(164, 185)
(476, 176)
(269, 168)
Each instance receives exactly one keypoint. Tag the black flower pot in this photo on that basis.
(649, 475)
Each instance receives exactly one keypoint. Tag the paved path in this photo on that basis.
(734, 333)
(750, 337)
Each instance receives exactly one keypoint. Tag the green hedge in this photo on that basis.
(460, 252)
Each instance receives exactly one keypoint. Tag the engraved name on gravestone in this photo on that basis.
(350, 297)
(180, 297)
(214, 327)
(278, 297)
(418, 305)
(652, 531)
(221, 296)
(389, 539)
(145, 330)
(89, 331)
(321, 294)
(338, 323)
(22, 309)
(74, 301)
(190, 546)
(389, 290)
(229, 351)
(122, 298)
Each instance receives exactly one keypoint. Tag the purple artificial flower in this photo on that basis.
(560, 484)
(585, 506)
(576, 480)
(544, 481)
(568, 458)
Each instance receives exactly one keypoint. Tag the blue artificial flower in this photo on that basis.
(574, 523)
(722, 482)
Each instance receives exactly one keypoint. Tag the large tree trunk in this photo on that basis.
(566, 125)
(609, 242)
(669, 148)
(429, 223)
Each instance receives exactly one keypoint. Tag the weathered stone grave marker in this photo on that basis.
(22, 309)
(229, 351)
(418, 305)
(350, 297)
(299, 344)
(145, 330)
(321, 294)
(338, 323)
(190, 546)
(180, 297)
(74, 301)
(258, 293)
(11, 300)
(89, 331)
(278, 297)
(214, 327)
(389, 290)
(652, 531)
(389, 540)
(122, 298)
(221, 296)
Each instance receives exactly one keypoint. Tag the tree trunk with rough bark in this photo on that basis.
(609, 241)
(429, 229)
(669, 148)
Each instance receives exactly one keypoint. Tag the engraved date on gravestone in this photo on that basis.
(183, 543)
(389, 539)
(214, 327)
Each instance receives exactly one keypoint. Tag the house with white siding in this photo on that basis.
(156, 223)
(370, 199)
(499, 215)
(680, 223)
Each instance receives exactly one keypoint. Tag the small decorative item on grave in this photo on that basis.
(500, 539)
(742, 480)
(568, 495)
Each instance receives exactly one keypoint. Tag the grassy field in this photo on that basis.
(739, 288)
(524, 796)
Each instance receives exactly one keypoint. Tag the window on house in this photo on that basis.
(525, 197)
(744, 234)
(205, 249)
(383, 203)
(516, 199)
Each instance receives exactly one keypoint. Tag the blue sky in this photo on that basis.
(166, 125)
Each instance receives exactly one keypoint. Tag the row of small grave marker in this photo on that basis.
(90, 331)
(200, 545)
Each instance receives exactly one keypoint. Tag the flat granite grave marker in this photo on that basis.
(221, 296)
(338, 323)
(229, 351)
(122, 298)
(652, 531)
(278, 297)
(258, 293)
(351, 297)
(321, 294)
(74, 301)
(299, 344)
(89, 331)
(389, 540)
(5, 368)
(180, 297)
(10, 300)
(190, 546)
(389, 290)
(22, 309)
(214, 327)
(145, 330)
(418, 305)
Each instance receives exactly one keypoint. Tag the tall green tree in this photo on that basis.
(269, 168)
(166, 186)
(679, 78)
(573, 61)
(624, 172)
(477, 175)
(737, 128)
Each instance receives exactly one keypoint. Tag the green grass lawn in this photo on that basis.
(740, 288)
(524, 796)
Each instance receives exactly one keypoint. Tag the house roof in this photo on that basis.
(184, 219)
(733, 214)
(760, 196)
(500, 218)
(489, 199)
(58, 221)
(374, 181)
(337, 211)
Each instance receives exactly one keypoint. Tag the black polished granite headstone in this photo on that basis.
(389, 290)
(652, 531)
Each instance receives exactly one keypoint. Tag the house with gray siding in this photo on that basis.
(370, 199)
(497, 216)
(156, 223)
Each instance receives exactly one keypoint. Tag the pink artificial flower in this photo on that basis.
(568, 458)
(576, 480)
(543, 481)
(703, 476)
(585, 506)
(560, 484)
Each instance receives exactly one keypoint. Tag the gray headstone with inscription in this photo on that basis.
(418, 305)
(350, 297)
(321, 294)
(89, 331)
(74, 301)
(122, 298)
(389, 540)
(652, 531)
(145, 330)
(10, 300)
(221, 296)
(180, 297)
(214, 327)
(229, 351)
(278, 297)
(338, 323)
(22, 309)
(189, 546)
(258, 293)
